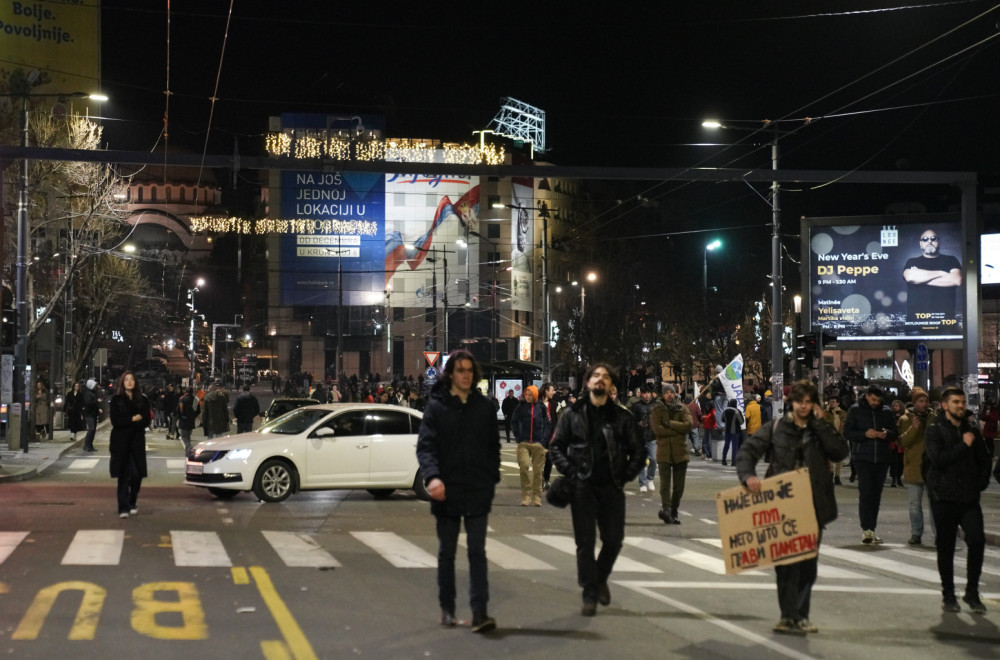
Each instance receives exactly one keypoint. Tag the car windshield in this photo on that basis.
(294, 422)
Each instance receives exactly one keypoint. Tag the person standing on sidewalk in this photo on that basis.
(671, 422)
(597, 446)
(870, 427)
(801, 439)
(958, 470)
(91, 412)
(912, 426)
(130, 415)
(458, 448)
(532, 432)
(74, 411)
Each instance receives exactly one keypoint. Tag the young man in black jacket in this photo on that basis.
(870, 427)
(801, 439)
(458, 449)
(597, 445)
(958, 469)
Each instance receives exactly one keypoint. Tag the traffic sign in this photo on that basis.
(430, 376)
(431, 357)
(920, 358)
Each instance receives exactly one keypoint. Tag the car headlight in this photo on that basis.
(238, 454)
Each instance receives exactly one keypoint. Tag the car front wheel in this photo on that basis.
(274, 482)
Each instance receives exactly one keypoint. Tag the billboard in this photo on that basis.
(522, 236)
(990, 250)
(59, 40)
(885, 277)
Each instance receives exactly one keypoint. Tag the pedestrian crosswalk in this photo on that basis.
(641, 555)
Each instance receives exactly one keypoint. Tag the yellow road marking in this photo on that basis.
(275, 649)
(294, 637)
(240, 575)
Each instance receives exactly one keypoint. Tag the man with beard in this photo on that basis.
(932, 279)
(958, 471)
(671, 422)
(597, 445)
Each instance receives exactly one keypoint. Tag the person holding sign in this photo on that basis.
(957, 468)
(802, 439)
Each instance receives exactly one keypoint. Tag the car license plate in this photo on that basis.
(195, 468)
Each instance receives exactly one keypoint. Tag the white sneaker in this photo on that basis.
(134, 511)
(643, 489)
(652, 487)
(868, 537)
(123, 515)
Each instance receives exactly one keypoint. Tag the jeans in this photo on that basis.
(871, 480)
(916, 493)
(244, 427)
(129, 483)
(648, 473)
(185, 438)
(795, 583)
(693, 437)
(531, 457)
(677, 472)
(448, 528)
(706, 443)
(597, 507)
(734, 440)
(88, 440)
(948, 516)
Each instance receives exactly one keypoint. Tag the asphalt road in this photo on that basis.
(338, 574)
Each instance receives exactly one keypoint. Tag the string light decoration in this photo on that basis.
(368, 147)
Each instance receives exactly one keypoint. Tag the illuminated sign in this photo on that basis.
(885, 277)
(990, 249)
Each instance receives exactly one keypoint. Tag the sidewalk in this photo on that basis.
(16, 465)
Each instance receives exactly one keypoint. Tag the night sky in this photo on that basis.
(890, 85)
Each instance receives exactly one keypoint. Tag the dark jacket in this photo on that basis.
(955, 472)
(74, 411)
(573, 452)
(246, 408)
(215, 413)
(128, 438)
(732, 419)
(90, 403)
(459, 444)
(860, 418)
(642, 410)
(530, 423)
(812, 447)
(508, 406)
(187, 411)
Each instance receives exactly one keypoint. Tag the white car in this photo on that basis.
(320, 447)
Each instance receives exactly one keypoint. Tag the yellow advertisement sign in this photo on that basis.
(775, 526)
(58, 39)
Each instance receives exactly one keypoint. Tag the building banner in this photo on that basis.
(773, 527)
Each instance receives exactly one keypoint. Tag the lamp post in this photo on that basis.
(191, 292)
(777, 355)
(708, 248)
(20, 385)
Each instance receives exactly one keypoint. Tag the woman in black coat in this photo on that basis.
(130, 415)
(74, 411)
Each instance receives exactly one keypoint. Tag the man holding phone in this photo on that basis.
(870, 427)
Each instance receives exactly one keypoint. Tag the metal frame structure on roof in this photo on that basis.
(520, 121)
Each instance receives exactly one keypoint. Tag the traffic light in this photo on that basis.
(806, 349)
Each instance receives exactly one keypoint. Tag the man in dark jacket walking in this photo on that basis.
(245, 410)
(507, 408)
(642, 410)
(800, 439)
(187, 411)
(458, 449)
(958, 469)
(597, 445)
(870, 427)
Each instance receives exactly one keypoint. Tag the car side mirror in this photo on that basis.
(323, 432)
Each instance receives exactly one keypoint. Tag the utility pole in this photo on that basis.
(543, 212)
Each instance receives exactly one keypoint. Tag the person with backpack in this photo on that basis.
(733, 421)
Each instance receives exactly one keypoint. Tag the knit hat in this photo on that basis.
(669, 387)
(91, 383)
(533, 390)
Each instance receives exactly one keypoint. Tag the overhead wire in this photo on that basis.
(215, 93)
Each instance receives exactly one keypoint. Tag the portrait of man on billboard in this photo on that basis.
(932, 281)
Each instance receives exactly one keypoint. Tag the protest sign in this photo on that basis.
(775, 526)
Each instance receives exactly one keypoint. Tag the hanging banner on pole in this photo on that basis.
(732, 380)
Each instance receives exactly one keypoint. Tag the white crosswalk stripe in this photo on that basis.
(198, 549)
(888, 564)
(299, 550)
(83, 464)
(95, 547)
(508, 557)
(396, 550)
(568, 545)
(8, 542)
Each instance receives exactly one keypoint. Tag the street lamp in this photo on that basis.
(191, 292)
(708, 248)
(777, 355)
(20, 386)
